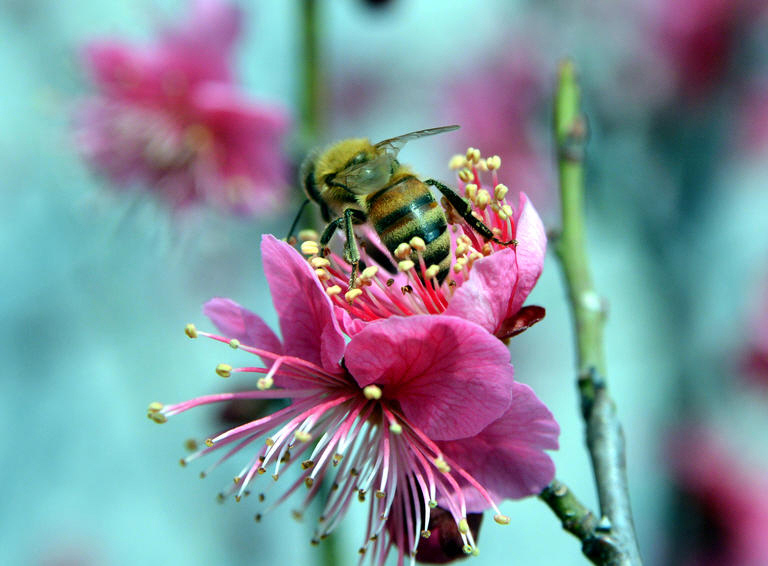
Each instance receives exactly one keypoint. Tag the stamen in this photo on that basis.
(302, 436)
(501, 519)
(333, 290)
(310, 248)
(457, 161)
(234, 343)
(500, 191)
(318, 262)
(352, 294)
(402, 251)
(224, 370)
(418, 244)
(190, 330)
(405, 265)
(463, 526)
(308, 235)
(372, 392)
(442, 465)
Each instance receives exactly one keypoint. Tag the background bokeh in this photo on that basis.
(97, 285)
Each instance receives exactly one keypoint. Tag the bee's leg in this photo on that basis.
(327, 234)
(465, 211)
(351, 251)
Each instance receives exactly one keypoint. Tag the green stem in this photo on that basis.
(605, 439)
(310, 87)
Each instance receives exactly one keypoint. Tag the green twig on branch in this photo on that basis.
(605, 439)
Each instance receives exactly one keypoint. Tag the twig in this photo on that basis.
(605, 439)
(597, 544)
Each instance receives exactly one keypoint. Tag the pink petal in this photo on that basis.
(234, 321)
(508, 457)
(307, 322)
(449, 375)
(485, 297)
(531, 247)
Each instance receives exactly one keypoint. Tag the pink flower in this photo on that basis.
(728, 503)
(488, 284)
(754, 358)
(404, 414)
(169, 116)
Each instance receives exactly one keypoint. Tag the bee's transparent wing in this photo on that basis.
(392, 146)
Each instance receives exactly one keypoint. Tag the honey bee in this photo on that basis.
(355, 182)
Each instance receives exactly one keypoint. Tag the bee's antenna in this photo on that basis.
(296, 220)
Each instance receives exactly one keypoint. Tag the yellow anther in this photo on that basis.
(470, 189)
(209, 442)
(190, 330)
(322, 274)
(236, 479)
(302, 436)
(261, 471)
(463, 526)
(506, 209)
(333, 290)
(418, 244)
(395, 428)
(372, 392)
(493, 162)
(318, 262)
(224, 370)
(426, 533)
(467, 549)
(352, 294)
(380, 494)
(264, 383)
(190, 444)
(475, 551)
(159, 418)
(487, 249)
(482, 165)
(432, 271)
(457, 162)
(369, 272)
(483, 198)
(309, 482)
(405, 265)
(501, 519)
(470, 152)
(461, 249)
(310, 248)
(308, 235)
(402, 251)
(442, 465)
(432, 503)
(296, 514)
(154, 407)
(275, 477)
(307, 464)
(183, 463)
(234, 343)
(466, 175)
(500, 191)
(502, 215)
(457, 267)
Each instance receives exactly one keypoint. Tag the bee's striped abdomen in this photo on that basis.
(407, 209)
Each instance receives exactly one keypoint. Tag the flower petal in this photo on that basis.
(451, 378)
(307, 322)
(530, 250)
(508, 457)
(235, 321)
(485, 297)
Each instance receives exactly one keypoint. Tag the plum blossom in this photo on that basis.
(488, 282)
(168, 116)
(401, 415)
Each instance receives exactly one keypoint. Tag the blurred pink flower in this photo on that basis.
(501, 107)
(752, 120)
(169, 116)
(727, 503)
(697, 38)
(410, 412)
(488, 282)
(754, 358)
